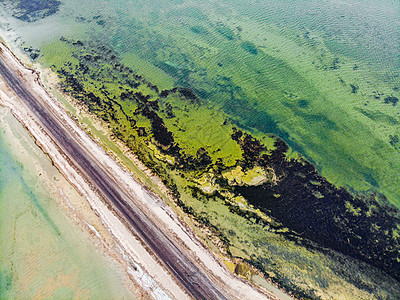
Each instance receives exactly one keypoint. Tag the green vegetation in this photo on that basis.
(209, 164)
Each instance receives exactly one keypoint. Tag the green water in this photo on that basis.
(43, 253)
(314, 73)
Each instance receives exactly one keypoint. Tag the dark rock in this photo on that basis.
(34, 55)
(77, 43)
(203, 157)
(141, 131)
(189, 94)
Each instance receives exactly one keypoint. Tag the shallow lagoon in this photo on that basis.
(44, 253)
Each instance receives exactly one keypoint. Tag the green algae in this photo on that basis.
(257, 90)
(197, 126)
(200, 46)
(328, 105)
(192, 160)
(146, 69)
(202, 128)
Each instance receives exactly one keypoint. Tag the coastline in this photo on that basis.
(275, 142)
(127, 256)
(169, 216)
(39, 203)
(77, 205)
(99, 130)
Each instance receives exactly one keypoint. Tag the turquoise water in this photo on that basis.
(43, 253)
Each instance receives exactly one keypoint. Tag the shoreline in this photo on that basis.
(68, 211)
(129, 161)
(126, 256)
(155, 206)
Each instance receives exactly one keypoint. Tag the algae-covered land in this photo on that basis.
(275, 125)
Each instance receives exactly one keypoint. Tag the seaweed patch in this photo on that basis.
(363, 226)
(32, 10)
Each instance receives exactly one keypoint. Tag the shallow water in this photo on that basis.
(314, 73)
(44, 254)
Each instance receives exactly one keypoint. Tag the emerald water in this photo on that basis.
(44, 254)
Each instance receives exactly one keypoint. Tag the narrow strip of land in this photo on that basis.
(190, 276)
(162, 235)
